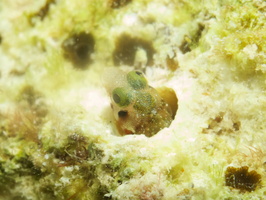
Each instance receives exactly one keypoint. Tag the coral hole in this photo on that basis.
(169, 96)
(242, 179)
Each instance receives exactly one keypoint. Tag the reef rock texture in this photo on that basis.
(58, 137)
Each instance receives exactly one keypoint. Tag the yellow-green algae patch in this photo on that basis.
(57, 133)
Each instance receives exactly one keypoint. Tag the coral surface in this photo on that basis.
(58, 138)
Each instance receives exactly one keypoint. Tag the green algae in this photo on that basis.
(53, 148)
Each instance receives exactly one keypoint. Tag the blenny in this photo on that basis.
(138, 108)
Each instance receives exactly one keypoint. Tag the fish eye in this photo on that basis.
(136, 80)
(121, 96)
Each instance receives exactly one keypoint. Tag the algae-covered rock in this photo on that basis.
(58, 135)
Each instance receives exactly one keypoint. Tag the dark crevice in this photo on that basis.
(118, 3)
(43, 12)
(191, 41)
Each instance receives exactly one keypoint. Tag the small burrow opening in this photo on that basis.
(78, 49)
(126, 48)
(242, 179)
